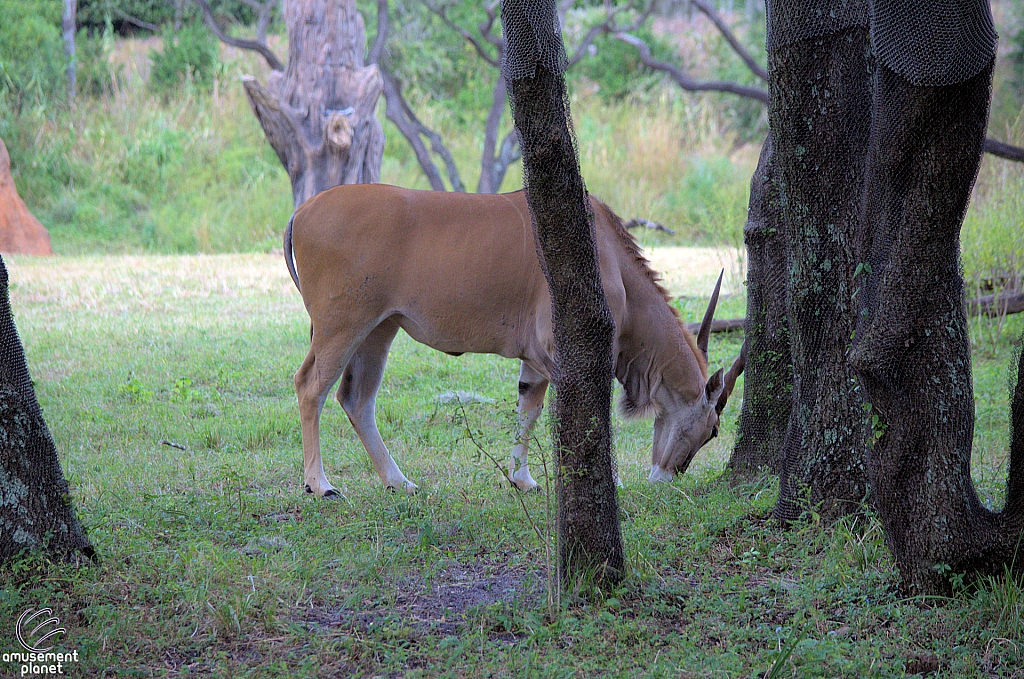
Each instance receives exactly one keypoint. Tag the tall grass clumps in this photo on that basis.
(993, 232)
(132, 171)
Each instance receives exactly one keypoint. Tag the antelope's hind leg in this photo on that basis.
(357, 394)
(532, 388)
(313, 382)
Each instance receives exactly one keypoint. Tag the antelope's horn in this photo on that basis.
(730, 378)
(705, 326)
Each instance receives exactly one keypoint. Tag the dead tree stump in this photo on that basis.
(319, 114)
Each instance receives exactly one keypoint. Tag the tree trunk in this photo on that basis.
(820, 120)
(320, 113)
(35, 503)
(68, 25)
(912, 348)
(768, 385)
(590, 543)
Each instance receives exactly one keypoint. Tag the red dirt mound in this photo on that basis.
(20, 232)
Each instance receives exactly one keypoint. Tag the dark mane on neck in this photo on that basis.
(644, 265)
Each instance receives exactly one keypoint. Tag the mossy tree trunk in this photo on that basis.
(819, 117)
(768, 381)
(912, 349)
(590, 542)
(36, 512)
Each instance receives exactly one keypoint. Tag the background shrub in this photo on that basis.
(188, 55)
(32, 61)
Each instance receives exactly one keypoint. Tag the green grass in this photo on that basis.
(215, 563)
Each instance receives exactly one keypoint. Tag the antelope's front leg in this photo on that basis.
(532, 387)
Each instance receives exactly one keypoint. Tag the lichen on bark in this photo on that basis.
(36, 511)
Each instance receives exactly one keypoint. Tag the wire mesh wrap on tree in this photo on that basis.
(583, 328)
(790, 21)
(768, 384)
(912, 348)
(819, 117)
(35, 504)
(933, 42)
(533, 38)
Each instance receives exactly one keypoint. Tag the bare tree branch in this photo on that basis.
(996, 148)
(686, 82)
(383, 26)
(487, 27)
(477, 45)
(488, 182)
(748, 59)
(606, 26)
(396, 114)
(510, 152)
(259, 46)
(124, 16)
(436, 143)
(1007, 151)
(1000, 304)
(401, 114)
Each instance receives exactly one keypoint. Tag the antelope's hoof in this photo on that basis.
(522, 480)
(525, 486)
(409, 486)
(330, 493)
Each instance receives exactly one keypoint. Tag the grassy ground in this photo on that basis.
(215, 563)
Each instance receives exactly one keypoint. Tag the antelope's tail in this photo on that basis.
(289, 258)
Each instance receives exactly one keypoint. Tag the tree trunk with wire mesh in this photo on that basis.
(820, 120)
(319, 114)
(768, 381)
(912, 349)
(35, 506)
(590, 542)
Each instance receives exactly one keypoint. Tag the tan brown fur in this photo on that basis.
(459, 273)
(632, 247)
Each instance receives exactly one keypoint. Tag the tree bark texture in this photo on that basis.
(35, 504)
(590, 541)
(68, 25)
(768, 385)
(319, 114)
(819, 117)
(912, 348)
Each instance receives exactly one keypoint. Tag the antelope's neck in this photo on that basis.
(653, 340)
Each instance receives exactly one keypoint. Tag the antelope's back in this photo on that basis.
(468, 258)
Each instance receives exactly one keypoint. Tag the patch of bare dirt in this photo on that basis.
(442, 604)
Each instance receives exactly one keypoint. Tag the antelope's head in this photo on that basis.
(687, 415)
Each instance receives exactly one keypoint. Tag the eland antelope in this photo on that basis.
(459, 272)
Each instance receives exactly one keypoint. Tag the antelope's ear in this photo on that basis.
(715, 386)
(730, 378)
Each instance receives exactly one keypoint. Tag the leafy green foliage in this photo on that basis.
(96, 75)
(94, 15)
(615, 67)
(32, 60)
(1015, 54)
(188, 56)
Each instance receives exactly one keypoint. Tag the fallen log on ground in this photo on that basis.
(999, 304)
